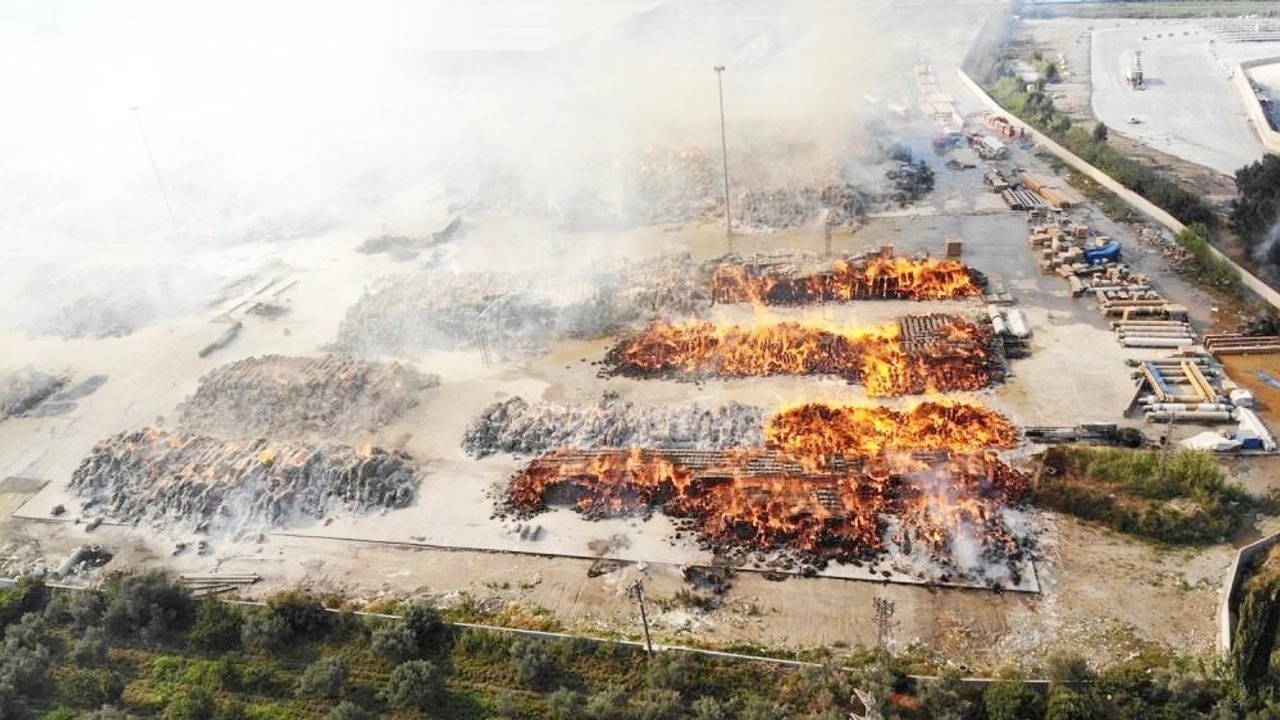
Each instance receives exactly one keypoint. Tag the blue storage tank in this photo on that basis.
(1105, 253)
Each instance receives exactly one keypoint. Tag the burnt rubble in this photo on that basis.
(520, 427)
(295, 397)
(194, 482)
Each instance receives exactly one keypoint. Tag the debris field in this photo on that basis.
(293, 397)
(236, 487)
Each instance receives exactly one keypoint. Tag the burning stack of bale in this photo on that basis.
(938, 352)
(805, 280)
(519, 427)
(238, 487)
(842, 508)
(295, 397)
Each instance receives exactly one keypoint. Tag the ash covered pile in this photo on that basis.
(279, 396)
(25, 388)
(516, 426)
(196, 482)
(782, 208)
(518, 313)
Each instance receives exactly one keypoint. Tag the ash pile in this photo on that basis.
(519, 427)
(25, 388)
(28, 392)
(296, 397)
(517, 314)
(782, 208)
(236, 487)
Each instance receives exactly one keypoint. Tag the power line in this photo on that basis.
(159, 183)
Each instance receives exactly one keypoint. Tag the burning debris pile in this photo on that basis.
(917, 353)
(821, 432)
(783, 281)
(674, 185)
(781, 208)
(922, 506)
(295, 397)
(516, 426)
(211, 485)
(911, 181)
(517, 313)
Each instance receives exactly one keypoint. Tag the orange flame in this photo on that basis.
(943, 353)
(878, 278)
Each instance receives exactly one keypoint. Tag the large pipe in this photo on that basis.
(1154, 332)
(1189, 407)
(1018, 323)
(1155, 342)
(1188, 417)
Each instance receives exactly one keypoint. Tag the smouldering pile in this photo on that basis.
(177, 480)
(918, 353)
(23, 389)
(780, 281)
(781, 208)
(516, 426)
(933, 507)
(518, 313)
(295, 397)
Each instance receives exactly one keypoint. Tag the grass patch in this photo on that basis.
(1179, 498)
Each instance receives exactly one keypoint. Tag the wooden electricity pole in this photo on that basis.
(637, 591)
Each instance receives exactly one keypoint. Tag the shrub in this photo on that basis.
(395, 641)
(191, 704)
(532, 664)
(413, 636)
(91, 648)
(608, 704)
(1012, 700)
(1065, 704)
(301, 613)
(1067, 667)
(666, 705)
(28, 595)
(709, 708)
(217, 626)
(150, 606)
(323, 678)
(415, 685)
(565, 704)
(347, 710)
(88, 688)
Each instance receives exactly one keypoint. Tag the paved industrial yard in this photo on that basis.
(448, 543)
(1190, 108)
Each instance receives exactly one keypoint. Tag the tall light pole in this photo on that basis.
(724, 154)
(154, 169)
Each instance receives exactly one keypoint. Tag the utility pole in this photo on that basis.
(154, 169)
(637, 591)
(724, 154)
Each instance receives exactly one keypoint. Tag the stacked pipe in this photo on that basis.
(1154, 333)
(1009, 321)
(1235, 344)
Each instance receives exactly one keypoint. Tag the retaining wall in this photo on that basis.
(1139, 203)
(1270, 138)
(1229, 603)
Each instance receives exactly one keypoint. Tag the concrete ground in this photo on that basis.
(1190, 107)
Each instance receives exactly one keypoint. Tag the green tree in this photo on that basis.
(1100, 132)
(1255, 214)
(325, 677)
(1012, 700)
(191, 704)
(150, 606)
(91, 648)
(532, 664)
(217, 627)
(1068, 667)
(347, 710)
(1065, 704)
(415, 685)
(943, 697)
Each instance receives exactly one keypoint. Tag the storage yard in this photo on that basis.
(544, 402)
